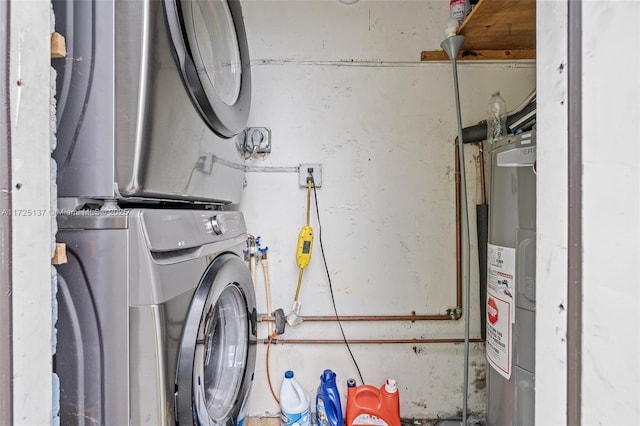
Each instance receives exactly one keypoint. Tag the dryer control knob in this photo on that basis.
(218, 225)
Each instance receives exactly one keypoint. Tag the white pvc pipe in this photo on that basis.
(267, 289)
(252, 264)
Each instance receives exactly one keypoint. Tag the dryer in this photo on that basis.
(157, 318)
(147, 98)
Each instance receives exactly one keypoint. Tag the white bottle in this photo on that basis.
(294, 403)
(459, 9)
(496, 118)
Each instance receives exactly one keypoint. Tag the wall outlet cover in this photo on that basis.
(303, 173)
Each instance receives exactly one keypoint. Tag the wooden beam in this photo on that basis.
(58, 46)
(479, 55)
(60, 255)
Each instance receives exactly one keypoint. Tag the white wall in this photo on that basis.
(343, 86)
(31, 197)
(611, 214)
(551, 268)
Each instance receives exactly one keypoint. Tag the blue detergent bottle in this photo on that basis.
(328, 407)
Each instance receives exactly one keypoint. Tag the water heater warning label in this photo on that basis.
(500, 307)
(499, 329)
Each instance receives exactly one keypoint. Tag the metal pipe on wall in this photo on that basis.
(458, 185)
(369, 341)
(347, 318)
(6, 312)
(482, 228)
(453, 314)
(452, 45)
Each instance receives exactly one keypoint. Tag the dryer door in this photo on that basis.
(210, 46)
(216, 358)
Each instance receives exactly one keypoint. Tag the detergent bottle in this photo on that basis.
(294, 403)
(328, 406)
(368, 405)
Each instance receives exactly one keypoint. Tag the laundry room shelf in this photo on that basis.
(496, 30)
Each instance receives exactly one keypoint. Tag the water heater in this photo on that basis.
(511, 281)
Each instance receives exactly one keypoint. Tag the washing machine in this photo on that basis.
(156, 318)
(149, 97)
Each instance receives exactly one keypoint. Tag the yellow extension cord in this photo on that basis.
(305, 243)
(303, 256)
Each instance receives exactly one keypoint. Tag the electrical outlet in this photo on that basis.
(305, 169)
(254, 140)
(205, 163)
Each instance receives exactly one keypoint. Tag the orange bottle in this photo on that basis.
(368, 405)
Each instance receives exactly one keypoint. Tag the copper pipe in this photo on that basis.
(458, 228)
(368, 341)
(413, 317)
(345, 318)
(452, 314)
(483, 189)
(482, 229)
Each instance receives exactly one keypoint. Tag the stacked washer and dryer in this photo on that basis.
(156, 309)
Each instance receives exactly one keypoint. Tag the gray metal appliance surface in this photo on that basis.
(157, 318)
(148, 96)
(512, 225)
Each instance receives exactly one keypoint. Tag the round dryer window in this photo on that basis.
(210, 46)
(217, 349)
(215, 52)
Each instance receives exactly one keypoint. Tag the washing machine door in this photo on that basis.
(210, 47)
(217, 351)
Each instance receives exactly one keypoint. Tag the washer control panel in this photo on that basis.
(168, 230)
(218, 224)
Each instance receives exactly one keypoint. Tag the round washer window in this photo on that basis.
(220, 356)
(212, 36)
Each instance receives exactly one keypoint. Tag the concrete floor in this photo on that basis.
(263, 421)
